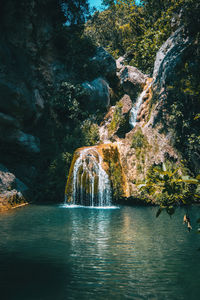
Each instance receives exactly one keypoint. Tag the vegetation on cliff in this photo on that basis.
(138, 31)
(57, 48)
(115, 172)
(166, 187)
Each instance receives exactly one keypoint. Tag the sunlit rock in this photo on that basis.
(132, 80)
(12, 190)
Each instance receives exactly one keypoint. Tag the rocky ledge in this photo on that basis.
(12, 190)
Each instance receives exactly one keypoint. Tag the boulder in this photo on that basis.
(11, 137)
(103, 63)
(126, 104)
(8, 181)
(98, 93)
(12, 190)
(132, 80)
(28, 142)
(16, 100)
(8, 121)
(120, 63)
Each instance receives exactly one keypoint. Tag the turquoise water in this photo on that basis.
(57, 252)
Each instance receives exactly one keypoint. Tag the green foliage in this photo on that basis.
(111, 157)
(75, 49)
(139, 140)
(137, 31)
(57, 175)
(191, 17)
(182, 109)
(90, 133)
(117, 119)
(167, 188)
(63, 130)
(114, 27)
(65, 102)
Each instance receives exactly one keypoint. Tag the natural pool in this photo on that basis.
(53, 252)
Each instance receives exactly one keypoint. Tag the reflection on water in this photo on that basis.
(88, 207)
(58, 252)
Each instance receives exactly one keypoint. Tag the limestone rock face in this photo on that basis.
(137, 160)
(168, 57)
(153, 147)
(149, 143)
(98, 92)
(131, 79)
(12, 190)
(126, 104)
(103, 63)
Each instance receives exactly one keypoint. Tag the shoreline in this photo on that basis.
(9, 208)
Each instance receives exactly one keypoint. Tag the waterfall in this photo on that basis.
(136, 107)
(90, 183)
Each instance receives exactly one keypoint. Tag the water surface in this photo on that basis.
(57, 252)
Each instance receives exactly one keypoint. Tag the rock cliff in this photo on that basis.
(55, 85)
(40, 69)
(151, 140)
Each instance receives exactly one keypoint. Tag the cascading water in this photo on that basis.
(91, 184)
(136, 107)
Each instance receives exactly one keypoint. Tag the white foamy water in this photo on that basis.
(89, 207)
(136, 106)
(91, 184)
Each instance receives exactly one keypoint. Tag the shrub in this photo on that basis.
(111, 156)
(90, 132)
(169, 189)
(139, 140)
(117, 119)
